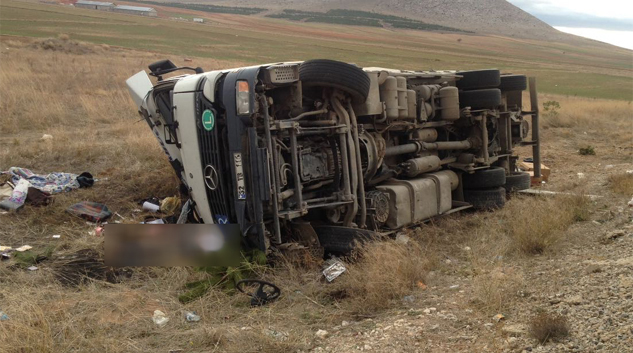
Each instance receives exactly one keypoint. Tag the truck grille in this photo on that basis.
(211, 156)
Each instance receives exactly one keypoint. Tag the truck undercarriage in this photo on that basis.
(324, 153)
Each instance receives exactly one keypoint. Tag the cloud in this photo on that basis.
(606, 14)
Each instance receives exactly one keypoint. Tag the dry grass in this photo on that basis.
(528, 225)
(586, 113)
(621, 183)
(384, 272)
(545, 327)
(495, 289)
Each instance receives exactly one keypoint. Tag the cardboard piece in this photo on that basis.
(529, 168)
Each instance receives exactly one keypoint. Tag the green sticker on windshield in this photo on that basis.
(208, 120)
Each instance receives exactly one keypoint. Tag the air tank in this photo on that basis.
(403, 107)
(389, 95)
(449, 100)
(412, 101)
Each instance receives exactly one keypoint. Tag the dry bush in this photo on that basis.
(533, 225)
(496, 289)
(381, 273)
(621, 183)
(545, 327)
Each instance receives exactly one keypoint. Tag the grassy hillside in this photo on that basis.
(593, 71)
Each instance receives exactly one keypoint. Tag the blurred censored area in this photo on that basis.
(172, 245)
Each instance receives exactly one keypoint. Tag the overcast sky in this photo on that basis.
(609, 21)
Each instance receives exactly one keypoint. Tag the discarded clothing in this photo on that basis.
(50, 184)
(6, 190)
(37, 197)
(91, 211)
(18, 196)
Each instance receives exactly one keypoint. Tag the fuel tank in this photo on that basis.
(415, 200)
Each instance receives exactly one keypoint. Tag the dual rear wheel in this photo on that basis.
(486, 189)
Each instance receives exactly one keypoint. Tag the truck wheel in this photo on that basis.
(486, 199)
(492, 177)
(342, 240)
(479, 79)
(517, 181)
(480, 99)
(513, 83)
(335, 74)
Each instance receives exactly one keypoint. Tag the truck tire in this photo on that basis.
(492, 177)
(335, 74)
(342, 240)
(513, 83)
(486, 199)
(480, 99)
(517, 181)
(479, 79)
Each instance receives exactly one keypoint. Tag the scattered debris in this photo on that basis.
(499, 317)
(160, 318)
(5, 256)
(5, 248)
(421, 285)
(581, 175)
(24, 248)
(402, 238)
(169, 205)
(82, 266)
(528, 166)
(56, 236)
(3, 316)
(46, 137)
(191, 316)
(151, 207)
(265, 292)
(334, 270)
(28, 258)
(631, 202)
(32, 268)
(455, 286)
(553, 193)
(155, 221)
(321, 334)
(92, 211)
(41, 186)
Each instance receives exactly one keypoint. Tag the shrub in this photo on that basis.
(587, 151)
(621, 184)
(382, 272)
(545, 327)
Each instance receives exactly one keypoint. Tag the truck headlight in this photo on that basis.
(243, 100)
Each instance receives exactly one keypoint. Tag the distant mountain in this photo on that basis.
(497, 17)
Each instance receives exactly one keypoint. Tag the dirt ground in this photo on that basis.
(472, 282)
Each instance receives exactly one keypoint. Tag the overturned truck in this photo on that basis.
(322, 153)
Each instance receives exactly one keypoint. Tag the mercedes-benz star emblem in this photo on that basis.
(211, 177)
